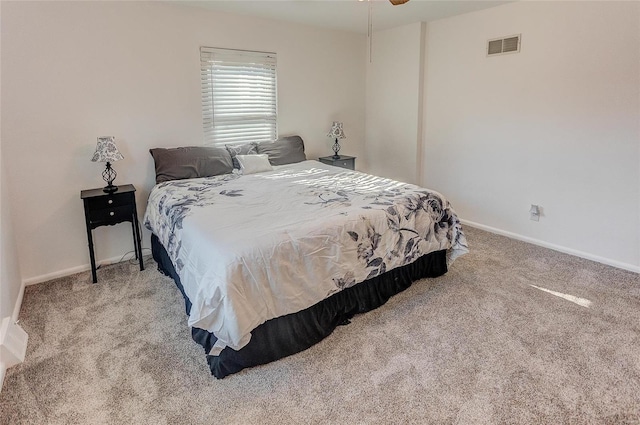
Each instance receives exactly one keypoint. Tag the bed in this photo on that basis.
(272, 256)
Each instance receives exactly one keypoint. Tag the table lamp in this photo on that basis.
(337, 133)
(106, 151)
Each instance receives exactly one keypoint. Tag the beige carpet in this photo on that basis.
(477, 346)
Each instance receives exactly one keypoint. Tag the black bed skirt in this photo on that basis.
(290, 334)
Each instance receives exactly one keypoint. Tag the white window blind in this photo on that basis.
(238, 96)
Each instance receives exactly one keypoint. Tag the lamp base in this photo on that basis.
(336, 149)
(109, 175)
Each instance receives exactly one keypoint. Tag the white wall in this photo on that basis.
(73, 71)
(394, 102)
(11, 288)
(556, 124)
(10, 279)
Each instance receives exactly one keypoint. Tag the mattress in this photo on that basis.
(251, 248)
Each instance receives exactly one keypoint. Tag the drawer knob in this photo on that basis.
(111, 213)
(110, 201)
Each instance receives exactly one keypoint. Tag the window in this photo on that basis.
(238, 96)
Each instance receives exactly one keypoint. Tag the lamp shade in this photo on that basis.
(106, 150)
(336, 131)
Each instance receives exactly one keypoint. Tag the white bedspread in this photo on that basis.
(255, 247)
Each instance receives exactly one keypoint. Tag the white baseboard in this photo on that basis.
(3, 371)
(68, 272)
(581, 254)
(14, 319)
(13, 345)
(18, 305)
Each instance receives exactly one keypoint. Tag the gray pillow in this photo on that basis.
(190, 162)
(246, 149)
(285, 150)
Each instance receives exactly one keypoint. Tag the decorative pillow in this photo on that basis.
(246, 149)
(285, 150)
(251, 164)
(190, 162)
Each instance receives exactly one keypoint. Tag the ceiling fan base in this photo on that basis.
(398, 2)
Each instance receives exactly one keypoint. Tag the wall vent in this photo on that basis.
(499, 46)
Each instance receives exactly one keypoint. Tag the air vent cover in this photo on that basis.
(499, 46)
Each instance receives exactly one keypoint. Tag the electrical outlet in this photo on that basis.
(534, 212)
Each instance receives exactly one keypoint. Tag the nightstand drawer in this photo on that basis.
(111, 215)
(343, 161)
(110, 201)
(343, 164)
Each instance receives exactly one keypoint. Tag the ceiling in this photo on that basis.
(347, 15)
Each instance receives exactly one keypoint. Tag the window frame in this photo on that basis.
(236, 125)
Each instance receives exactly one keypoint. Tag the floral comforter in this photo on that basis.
(255, 247)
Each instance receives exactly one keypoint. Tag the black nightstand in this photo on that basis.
(107, 209)
(343, 161)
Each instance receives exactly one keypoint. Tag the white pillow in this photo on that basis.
(250, 164)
